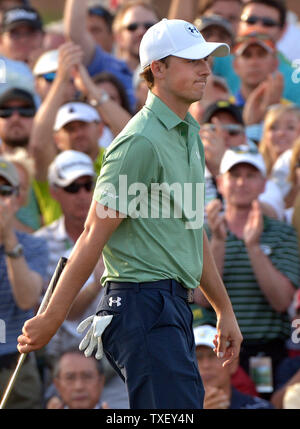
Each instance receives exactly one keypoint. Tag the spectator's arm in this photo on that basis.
(42, 146)
(112, 113)
(186, 9)
(26, 284)
(278, 395)
(75, 28)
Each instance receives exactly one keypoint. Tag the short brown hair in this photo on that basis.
(147, 74)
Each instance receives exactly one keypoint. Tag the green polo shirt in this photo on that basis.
(153, 172)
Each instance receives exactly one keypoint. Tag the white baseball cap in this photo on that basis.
(178, 38)
(242, 154)
(204, 335)
(75, 111)
(68, 166)
(46, 63)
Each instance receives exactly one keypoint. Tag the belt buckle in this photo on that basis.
(190, 296)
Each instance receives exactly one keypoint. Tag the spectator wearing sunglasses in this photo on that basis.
(21, 33)
(269, 18)
(131, 22)
(17, 110)
(23, 263)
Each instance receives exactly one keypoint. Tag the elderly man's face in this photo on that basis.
(79, 382)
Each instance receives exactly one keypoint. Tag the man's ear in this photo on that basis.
(158, 68)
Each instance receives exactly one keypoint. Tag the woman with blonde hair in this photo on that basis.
(293, 197)
(281, 129)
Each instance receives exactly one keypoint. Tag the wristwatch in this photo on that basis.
(16, 252)
(96, 102)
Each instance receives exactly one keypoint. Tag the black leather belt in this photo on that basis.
(170, 285)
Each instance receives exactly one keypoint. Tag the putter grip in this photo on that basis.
(58, 270)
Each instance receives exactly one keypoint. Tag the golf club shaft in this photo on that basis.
(59, 268)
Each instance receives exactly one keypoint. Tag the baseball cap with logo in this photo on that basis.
(242, 154)
(253, 36)
(9, 172)
(75, 111)
(15, 16)
(204, 335)
(68, 166)
(178, 38)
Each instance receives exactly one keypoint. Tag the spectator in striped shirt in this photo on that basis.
(257, 256)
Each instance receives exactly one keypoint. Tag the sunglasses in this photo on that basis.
(74, 188)
(135, 25)
(265, 20)
(26, 112)
(232, 129)
(7, 190)
(49, 77)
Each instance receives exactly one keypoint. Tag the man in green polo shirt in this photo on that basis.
(145, 217)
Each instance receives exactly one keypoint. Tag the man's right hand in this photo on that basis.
(36, 333)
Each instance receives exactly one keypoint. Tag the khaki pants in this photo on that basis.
(27, 390)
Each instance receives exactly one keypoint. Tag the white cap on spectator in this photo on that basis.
(179, 38)
(242, 154)
(75, 111)
(46, 63)
(204, 335)
(68, 166)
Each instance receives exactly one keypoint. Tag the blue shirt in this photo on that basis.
(13, 317)
(105, 62)
(241, 401)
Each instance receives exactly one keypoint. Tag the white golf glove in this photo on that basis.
(92, 338)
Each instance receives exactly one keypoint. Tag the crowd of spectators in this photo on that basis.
(67, 88)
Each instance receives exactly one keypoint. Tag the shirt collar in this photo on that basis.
(166, 115)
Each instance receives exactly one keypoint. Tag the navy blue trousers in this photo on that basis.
(150, 343)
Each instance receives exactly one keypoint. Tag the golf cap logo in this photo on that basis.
(116, 301)
(192, 30)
